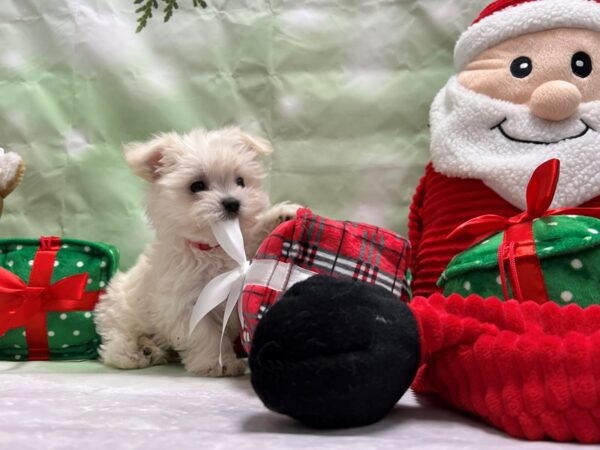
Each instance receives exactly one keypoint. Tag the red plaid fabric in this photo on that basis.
(327, 247)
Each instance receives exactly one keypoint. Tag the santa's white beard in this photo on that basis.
(475, 136)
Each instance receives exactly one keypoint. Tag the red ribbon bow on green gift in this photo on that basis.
(19, 302)
(26, 305)
(518, 247)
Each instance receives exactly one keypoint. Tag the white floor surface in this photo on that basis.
(83, 405)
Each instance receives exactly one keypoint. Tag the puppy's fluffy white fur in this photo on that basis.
(145, 311)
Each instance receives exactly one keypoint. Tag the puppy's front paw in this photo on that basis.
(132, 355)
(230, 368)
(276, 215)
(153, 352)
(126, 359)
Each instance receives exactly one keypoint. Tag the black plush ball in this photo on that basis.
(334, 353)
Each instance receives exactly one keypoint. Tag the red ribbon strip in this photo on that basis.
(518, 247)
(23, 305)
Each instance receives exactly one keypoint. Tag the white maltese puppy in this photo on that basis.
(193, 181)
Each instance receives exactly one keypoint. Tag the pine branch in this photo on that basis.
(149, 5)
(170, 4)
(146, 10)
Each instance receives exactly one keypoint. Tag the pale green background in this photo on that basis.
(342, 88)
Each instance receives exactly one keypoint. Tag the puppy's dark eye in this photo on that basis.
(197, 186)
(240, 182)
(521, 67)
(581, 64)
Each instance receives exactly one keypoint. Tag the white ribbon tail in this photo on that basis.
(229, 236)
(213, 294)
(232, 299)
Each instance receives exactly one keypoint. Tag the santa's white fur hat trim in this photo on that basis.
(519, 17)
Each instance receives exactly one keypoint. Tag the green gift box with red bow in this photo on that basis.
(48, 290)
(539, 255)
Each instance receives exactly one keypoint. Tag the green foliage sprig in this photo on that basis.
(148, 6)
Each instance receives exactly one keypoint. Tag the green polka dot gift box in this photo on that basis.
(568, 250)
(48, 290)
(540, 255)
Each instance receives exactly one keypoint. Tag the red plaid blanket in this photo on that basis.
(327, 247)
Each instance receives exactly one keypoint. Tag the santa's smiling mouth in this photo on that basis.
(524, 141)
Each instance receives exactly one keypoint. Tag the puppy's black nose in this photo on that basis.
(231, 204)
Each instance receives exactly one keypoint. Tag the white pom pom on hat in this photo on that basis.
(505, 19)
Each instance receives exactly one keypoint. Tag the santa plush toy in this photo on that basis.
(493, 213)
(527, 91)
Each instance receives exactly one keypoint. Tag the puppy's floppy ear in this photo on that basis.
(146, 159)
(256, 144)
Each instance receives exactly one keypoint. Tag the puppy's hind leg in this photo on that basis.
(125, 345)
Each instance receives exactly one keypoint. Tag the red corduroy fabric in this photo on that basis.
(440, 205)
(531, 370)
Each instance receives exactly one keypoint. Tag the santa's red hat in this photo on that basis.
(505, 19)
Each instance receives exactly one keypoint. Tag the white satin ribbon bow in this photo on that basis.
(228, 286)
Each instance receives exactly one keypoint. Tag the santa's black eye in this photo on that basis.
(197, 186)
(521, 67)
(581, 64)
(240, 182)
